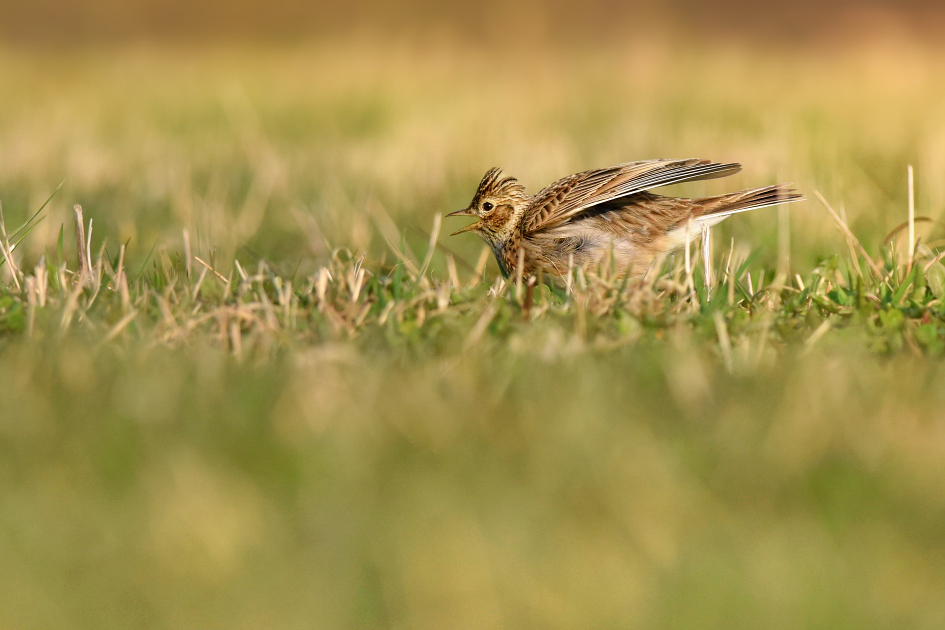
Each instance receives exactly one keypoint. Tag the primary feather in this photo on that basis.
(569, 196)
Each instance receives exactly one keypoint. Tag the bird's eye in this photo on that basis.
(487, 206)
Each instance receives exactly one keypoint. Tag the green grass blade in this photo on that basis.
(35, 214)
(144, 265)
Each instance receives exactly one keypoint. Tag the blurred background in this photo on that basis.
(62, 21)
(286, 128)
(282, 129)
(534, 483)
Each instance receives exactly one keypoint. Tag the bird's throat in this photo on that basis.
(498, 250)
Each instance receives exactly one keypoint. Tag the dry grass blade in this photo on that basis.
(707, 256)
(80, 244)
(8, 252)
(905, 225)
(219, 275)
(911, 218)
(451, 270)
(784, 240)
(854, 242)
(817, 335)
(519, 270)
(934, 260)
(725, 343)
(690, 286)
(411, 267)
(480, 267)
(431, 249)
(479, 328)
(119, 327)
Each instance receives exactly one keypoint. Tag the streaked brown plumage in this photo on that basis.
(584, 218)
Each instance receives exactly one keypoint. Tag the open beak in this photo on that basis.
(465, 212)
(468, 228)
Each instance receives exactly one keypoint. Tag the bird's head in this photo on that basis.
(499, 203)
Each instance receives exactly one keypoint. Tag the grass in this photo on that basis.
(249, 384)
(891, 305)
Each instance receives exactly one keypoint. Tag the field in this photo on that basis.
(272, 393)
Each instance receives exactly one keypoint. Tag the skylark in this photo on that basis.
(586, 218)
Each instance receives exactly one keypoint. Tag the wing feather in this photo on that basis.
(561, 201)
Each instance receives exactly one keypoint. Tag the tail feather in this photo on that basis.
(711, 210)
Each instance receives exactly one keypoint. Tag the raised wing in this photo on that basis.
(561, 201)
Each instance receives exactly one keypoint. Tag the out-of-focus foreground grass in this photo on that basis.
(316, 467)
(638, 488)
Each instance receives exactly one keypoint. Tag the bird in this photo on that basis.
(604, 216)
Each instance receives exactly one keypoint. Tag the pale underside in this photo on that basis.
(629, 233)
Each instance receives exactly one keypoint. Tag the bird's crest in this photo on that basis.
(496, 184)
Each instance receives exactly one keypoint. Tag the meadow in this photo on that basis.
(256, 385)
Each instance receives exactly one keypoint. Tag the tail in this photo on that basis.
(711, 210)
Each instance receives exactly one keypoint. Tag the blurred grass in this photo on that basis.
(238, 452)
(174, 488)
(229, 143)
